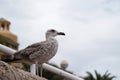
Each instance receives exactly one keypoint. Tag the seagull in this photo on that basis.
(38, 53)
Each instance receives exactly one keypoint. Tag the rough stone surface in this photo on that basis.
(8, 72)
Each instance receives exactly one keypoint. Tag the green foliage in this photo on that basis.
(3, 40)
(26, 67)
(98, 76)
(89, 77)
(51, 76)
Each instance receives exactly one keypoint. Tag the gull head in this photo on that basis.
(53, 33)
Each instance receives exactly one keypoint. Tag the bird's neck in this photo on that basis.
(50, 38)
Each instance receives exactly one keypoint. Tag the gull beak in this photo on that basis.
(61, 33)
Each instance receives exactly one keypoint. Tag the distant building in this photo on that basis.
(6, 37)
(11, 39)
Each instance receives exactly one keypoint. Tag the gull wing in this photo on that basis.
(32, 51)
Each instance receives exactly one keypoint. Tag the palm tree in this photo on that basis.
(106, 76)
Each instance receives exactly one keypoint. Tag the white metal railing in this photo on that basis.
(45, 66)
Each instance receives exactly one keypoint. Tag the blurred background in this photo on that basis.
(92, 38)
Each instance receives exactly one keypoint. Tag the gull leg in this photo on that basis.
(37, 70)
(41, 70)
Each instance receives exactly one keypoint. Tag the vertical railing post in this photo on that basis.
(33, 68)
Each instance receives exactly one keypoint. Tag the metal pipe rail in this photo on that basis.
(45, 66)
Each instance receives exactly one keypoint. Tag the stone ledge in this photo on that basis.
(8, 72)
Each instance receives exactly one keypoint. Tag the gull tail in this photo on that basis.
(11, 60)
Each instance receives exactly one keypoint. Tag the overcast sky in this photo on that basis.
(92, 28)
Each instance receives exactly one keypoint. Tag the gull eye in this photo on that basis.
(52, 30)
